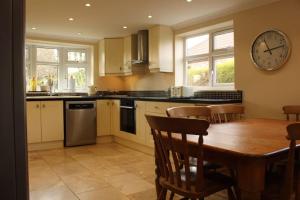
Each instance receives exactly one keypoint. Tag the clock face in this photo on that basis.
(270, 50)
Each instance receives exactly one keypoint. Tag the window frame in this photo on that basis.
(62, 64)
(212, 54)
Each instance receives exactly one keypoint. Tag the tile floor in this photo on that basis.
(98, 172)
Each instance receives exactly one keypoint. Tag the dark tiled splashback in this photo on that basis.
(149, 93)
(234, 95)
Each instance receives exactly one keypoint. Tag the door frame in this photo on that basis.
(13, 144)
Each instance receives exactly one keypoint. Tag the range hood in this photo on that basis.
(142, 47)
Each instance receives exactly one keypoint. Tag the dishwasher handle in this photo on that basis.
(81, 106)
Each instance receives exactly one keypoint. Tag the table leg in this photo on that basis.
(251, 178)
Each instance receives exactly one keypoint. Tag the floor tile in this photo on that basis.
(56, 192)
(105, 194)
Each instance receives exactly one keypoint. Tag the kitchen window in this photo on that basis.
(209, 59)
(60, 63)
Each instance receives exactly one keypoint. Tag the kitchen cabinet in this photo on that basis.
(45, 122)
(108, 117)
(103, 117)
(34, 134)
(161, 49)
(111, 57)
(115, 117)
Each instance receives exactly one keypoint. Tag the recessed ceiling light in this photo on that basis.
(189, 1)
(71, 19)
(33, 28)
(87, 5)
(150, 16)
(125, 27)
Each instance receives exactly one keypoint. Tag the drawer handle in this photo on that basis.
(37, 106)
(156, 107)
(44, 106)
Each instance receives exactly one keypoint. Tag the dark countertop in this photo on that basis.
(158, 99)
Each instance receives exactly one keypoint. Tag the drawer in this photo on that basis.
(161, 107)
(156, 107)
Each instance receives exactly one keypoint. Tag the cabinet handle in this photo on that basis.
(37, 106)
(107, 103)
(156, 107)
(43, 106)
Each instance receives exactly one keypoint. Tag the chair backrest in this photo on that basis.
(172, 147)
(291, 110)
(226, 113)
(198, 112)
(293, 135)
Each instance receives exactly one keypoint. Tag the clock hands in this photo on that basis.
(270, 50)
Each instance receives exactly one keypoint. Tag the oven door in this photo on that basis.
(127, 119)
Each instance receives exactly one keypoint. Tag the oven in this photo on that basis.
(127, 115)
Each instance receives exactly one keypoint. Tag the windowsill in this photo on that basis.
(227, 88)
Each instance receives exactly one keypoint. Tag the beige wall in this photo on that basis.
(265, 93)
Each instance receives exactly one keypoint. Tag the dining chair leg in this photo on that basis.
(162, 194)
(172, 195)
(237, 191)
(230, 194)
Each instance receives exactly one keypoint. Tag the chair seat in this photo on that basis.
(213, 182)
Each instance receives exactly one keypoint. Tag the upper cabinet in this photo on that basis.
(161, 49)
(130, 52)
(111, 57)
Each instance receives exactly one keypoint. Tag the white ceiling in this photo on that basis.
(105, 18)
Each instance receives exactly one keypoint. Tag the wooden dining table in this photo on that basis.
(248, 146)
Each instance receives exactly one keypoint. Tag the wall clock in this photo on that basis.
(270, 50)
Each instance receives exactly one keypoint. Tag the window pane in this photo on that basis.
(197, 73)
(224, 41)
(224, 69)
(76, 56)
(197, 45)
(26, 54)
(47, 55)
(43, 73)
(79, 74)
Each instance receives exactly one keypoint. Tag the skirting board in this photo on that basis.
(45, 146)
(134, 145)
(105, 139)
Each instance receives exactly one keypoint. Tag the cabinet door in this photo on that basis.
(34, 134)
(103, 117)
(52, 121)
(141, 121)
(148, 135)
(115, 117)
(114, 49)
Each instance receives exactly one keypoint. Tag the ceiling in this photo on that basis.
(106, 18)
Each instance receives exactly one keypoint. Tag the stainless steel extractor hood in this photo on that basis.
(142, 48)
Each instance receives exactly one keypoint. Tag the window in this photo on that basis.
(209, 59)
(60, 64)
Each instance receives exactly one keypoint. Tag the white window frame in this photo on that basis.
(212, 54)
(62, 63)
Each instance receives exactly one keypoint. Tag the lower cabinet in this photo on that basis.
(108, 117)
(45, 121)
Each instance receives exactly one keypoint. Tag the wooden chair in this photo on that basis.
(226, 113)
(291, 110)
(281, 186)
(197, 112)
(170, 139)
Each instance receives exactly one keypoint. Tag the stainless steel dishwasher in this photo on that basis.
(81, 125)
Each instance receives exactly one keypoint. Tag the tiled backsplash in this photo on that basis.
(235, 95)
